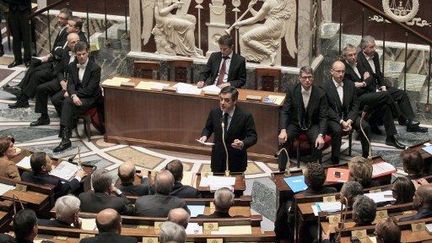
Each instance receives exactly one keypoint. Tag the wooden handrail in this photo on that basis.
(42, 10)
(402, 25)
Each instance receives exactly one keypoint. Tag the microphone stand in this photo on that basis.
(341, 224)
(227, 172)
(367, 139)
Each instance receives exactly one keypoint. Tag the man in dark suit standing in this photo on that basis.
(41, 165)
(304, 110)
(109, 225)
(224, 68)
(343, 110)
(368, 61)
(237, 127)
(83, 90)
(180, 190)
(19, 11)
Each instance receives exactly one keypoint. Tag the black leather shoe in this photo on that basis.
(402, 121)
(376, 130)
(27, 64)
(40, 122)
(392, 141)
(15, 90)
(416, 128)
(14, 64)
(19, 104)
(64, 144)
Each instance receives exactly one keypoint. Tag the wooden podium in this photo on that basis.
(172, 121)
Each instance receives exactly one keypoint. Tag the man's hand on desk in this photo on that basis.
(237, 144)
(200, 84)
(203, 139)
(283, 136)
(224, 85)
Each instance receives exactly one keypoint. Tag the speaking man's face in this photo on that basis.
(226, 103)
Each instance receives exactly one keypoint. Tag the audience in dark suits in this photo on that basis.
(403, 190)
(127, 173)
(83, 91)
(304, 110)
(343, 111)
(109, 225)
(224, 68)
(104, 195)
(387, 231)
(223, 200)
(8, 168)
(180, 190)
(179, 216)
(25, 226)
(66, 212)
(172, 232)
(234, 124)
(413, 164)
(422, 202)
(363, 210)
(349, 191)
(315, 177)
(41, 165)
(159, 204)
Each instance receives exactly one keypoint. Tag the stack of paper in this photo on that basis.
(193, 228)
(88, 224)
(151, 85)
(379, 197)
(233, 230)
(211, 90)
(329, 207)
(274, 99)
(112, 82)
(183, 88)
(296, 183)
(217, 181)
(382, 168)
(5, 188)
(65, 170)
(196, 210)
(24, 163)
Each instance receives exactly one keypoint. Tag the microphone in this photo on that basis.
(365, 111)
(227, 172)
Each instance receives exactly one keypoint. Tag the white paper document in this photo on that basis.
(379, 197)
(196, 210)
(233, 230)
(88, 224)
(65, 170)
(193, 228)
(5, 188)
(381, 168)
(183, 88)
(24, 163)
(217, 181)
(211, 89)
(329, 207)
(204, 143)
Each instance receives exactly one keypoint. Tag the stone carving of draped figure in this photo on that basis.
(173, 33)
(261, 42)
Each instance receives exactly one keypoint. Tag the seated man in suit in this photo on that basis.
(127, 173)
(41, 165)
(422, 202)
(55, 88)
(180, 190)
(104, 195)
(304, 110)
(109, 225)
(159, 204)
(66, 211)
(379, 103)
(363, 210)
(224, 68)
(315, 177)
(223, 200)
(343, 111)
(83, 90)
(179, 216)
(368, 61)
(349, 191)
(234, 124)
(25, 226)
(172, 232)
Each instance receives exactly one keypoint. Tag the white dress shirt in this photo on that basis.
(81, 70)
(227, 66)
(306, 96)
(371, 62)
(339, 89)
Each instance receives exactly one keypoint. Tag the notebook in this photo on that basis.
(296, 183)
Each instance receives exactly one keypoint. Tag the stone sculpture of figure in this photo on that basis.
(260, 42)
(173, 33)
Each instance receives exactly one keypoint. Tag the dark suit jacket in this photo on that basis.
(60, 39)
(375, 79)
(184, 191)
(94, 202)
(82, 36)
(352, 76)
(4, 238)
(324, 190)
(61, 66)
(89, 87)
(421, 214)
(293, 111)
(335, 109)
(130, 189)
(20, 5)
(53, 223)
(241, 127)
(236, 73)
(61, 187)
(109, 237)
(158, 205)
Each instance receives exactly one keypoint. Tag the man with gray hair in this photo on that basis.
(364, 210)
(172, 232)
(349, 191)
(66, 210)
(223, 200)
(179, 216)
(159, 204)
(104, 195)
(368, 62)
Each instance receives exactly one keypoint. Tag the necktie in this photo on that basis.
(225, 120)
(222, 71)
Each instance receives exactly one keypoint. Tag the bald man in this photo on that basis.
(422, 201)
(108, 222)
(159, 204)
(179, 216)
(127, 173)
(343, 110)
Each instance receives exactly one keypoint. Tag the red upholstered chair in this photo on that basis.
(92, 116)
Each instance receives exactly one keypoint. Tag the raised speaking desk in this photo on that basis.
(168, 120)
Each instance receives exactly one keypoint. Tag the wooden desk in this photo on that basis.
(169, 120)
(418, 147)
